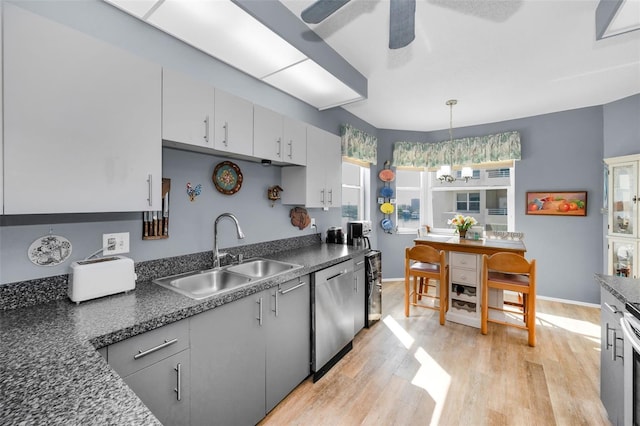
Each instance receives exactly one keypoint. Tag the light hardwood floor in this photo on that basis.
(413, 371)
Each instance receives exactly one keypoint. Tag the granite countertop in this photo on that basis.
(624, 289)
(50, 372)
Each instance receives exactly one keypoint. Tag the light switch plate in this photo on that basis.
(115, 243)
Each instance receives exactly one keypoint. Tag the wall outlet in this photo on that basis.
(115, 243)
(313, 221)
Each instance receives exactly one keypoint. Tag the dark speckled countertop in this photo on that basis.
(50, 372)
(624, 289)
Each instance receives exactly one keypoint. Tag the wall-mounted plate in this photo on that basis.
(227, 178)
(50, 250)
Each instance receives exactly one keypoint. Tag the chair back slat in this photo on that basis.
(510, 263)
(423, 253)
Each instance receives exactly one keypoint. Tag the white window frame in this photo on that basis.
(420, 189)
(364, 212)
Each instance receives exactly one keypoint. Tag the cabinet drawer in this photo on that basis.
(464, 276)
(145, 349)
(464, 260)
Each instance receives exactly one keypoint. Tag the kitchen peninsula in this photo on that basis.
(465, 263)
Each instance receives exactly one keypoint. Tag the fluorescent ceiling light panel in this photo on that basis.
(225, 31)
(626, 19)
(313, 84)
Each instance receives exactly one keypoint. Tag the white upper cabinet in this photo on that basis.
(267, 134)
(82, 121)
(278, 138)
(187, 109)
(294, 139)
(319, 184)
(233, 130)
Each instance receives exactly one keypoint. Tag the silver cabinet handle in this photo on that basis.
(290, 148)
(608, 329)
(359, 263)
(612, 308)
(355, 282)
(150, 181)
(166, 343)
(226, 134)
(322, 198)
(302, 283)
(279, 153)
(178, 389)
(614, 354)
(331, 196)
(206, 129)
(275, 295)
(259, 302)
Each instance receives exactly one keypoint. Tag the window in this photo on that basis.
(408, 200)
(355, 180)
(468, 202)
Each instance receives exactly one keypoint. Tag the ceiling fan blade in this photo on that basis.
(319, 10)
(402, 23)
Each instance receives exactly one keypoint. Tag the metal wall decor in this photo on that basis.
(227, 178)
(385, 199)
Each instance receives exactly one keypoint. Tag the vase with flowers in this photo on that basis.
(462, 224)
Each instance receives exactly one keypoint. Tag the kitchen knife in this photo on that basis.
(165, 215)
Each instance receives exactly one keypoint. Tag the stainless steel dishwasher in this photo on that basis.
(332, 315)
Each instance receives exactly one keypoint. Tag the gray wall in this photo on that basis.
(560, 151)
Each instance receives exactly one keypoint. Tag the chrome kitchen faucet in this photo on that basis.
(216, 255)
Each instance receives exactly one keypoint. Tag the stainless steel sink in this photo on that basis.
(201, 284)
(262, 268)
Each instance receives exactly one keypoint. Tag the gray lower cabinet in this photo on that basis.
(611, 361)
(247, 355)
(359, 294)
(164, 388)
(228, 363)
(155, 365)
(288, 345)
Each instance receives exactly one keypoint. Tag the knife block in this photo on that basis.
(155, 224)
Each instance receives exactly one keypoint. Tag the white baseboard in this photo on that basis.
(551, 299)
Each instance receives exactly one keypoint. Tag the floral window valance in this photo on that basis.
(459, 152)
(358, 145)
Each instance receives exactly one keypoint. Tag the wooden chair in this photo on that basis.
(510, 271)
(423, 263)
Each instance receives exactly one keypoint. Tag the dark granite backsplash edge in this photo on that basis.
(43, 290)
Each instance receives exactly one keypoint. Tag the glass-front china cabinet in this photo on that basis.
(623, 238)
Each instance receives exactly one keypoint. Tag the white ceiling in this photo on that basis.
(501, 59)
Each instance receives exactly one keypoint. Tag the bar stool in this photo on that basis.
(510, 271)
(424, 263)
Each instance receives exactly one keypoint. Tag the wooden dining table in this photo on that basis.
(465, 275)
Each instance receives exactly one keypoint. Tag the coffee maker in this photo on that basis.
(358, 233)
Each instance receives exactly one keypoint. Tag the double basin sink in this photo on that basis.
(201, 284)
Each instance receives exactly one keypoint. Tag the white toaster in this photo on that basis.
(89, 279)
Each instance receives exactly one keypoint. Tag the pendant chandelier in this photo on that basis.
(444, 173)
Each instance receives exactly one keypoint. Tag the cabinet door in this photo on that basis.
(233, 124)
(267, 134)
(333, 168)
(359, 297)
(611, 362)
(187, 109)
(294, 137)
(317, 151)
(81, 121)
(623, 206)
(622, 257)
(164, 387)
(228, 363)
(288, 343)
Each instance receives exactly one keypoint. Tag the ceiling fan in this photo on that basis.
(401, 19)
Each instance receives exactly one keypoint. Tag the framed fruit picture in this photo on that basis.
(558, 203)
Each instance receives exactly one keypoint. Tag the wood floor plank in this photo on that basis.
(414, 371)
